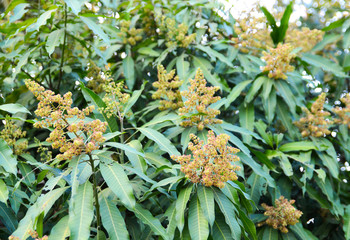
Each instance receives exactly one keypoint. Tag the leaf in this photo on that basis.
(137, 161)
(346, 225)
(255, 88)
(284, 22)
(14, 108)
(61, 230)
(324, 63)
(181, 204)
(8, 217)
(285, 165)
(246, 119)
(124, 147)
(54, 39)
(228, 210)
(248, 224)
(297, 146)
(205, 66)
(82, 213)
(214, 54)
(157, 160)
(18, 12)
(7, 160)
(75, 5)
(171, 215)
(182, 67)
(129, 71)
(134, 97)
(256, 187)
(112, 220)
(270, 233)
(284, 89)
(330, 162)
(162, 141)
(236, 91)
(148, 51)
(118, 182)
(302, 232)
(185, 137)
(270, 106)
(146, 217)
(206, 199)
(41, 20)
(4, 192)
(197, 223)
(334, 25)
(221, 231)
(95, 28)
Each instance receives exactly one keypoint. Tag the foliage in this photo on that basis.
(116, 162)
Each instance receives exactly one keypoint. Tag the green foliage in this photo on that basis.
(130, 188)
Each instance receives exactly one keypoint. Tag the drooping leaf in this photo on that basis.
(246, 119)
(8, 217)
(236, 91)
(129, 71)
(206, 199)
(61, 230)
(197, 223)
(7, 160)
(221, 231)
(181, 204)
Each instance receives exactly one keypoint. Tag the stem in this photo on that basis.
(97, 205)
(64, 46)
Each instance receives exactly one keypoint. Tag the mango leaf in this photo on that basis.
(270, 106)
(330, 162)
(61, 230)
(284, 89)
(197, 223)
(297, 146)
(124, 147)
(95, 28)
(236, 91)
(136, 160)
(8, 217)
(41, 20)
(118, 182)
(18, 12)
(302, 232)
(270, 233)
(248, 224)
(162, 141)
(171, 215)
(246, 119)
(181, 204)
(185, 137)
(253, 90)
(148, 51)
(129, 71)
(284, 22)
(221, 231)
(75, 5)
(146, 217)
(182, 67)
(214, 54)
(54, 39)
(346, 226)
(324, 63)
(4, 192)
(134, 97)
(112, 220)
(206, 199)
(14, 108)
(256, 183)
(7, 160)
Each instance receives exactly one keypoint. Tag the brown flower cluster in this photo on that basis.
(209, 164)
(56, 112)
(175, 35)
(97, 80)
(149, 22)
(315, 123)
(34, 235)
(12, 135)
(343, 112)
(129, 35)
(304, 38)
(278, 61)
(114, 98)
(282, 215)
(168, 89)
(253, 33)
(199, 97)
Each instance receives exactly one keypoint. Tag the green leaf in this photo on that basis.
(136, 160)
(334, 25)
(284, 89)
(182, 67)
(4, 192)
(248, 225)
(134, 97)
(246, 119)
(256, 183)
(157, 160)
(270, 234)
(125, 148)
(270, 106)
(214, 54)
(162, 141)
(112, 220)
(181, 204)
(297, 146)
(284, 22)
(221, 231)
(54, 39)
(346, 225)
(228, 210)
(302, 232)
(255, 88)
(8, 217)
(324, 63)
(236, 91)
(118, 182)
(7, 160)
(285, 165)
(14, 108)
(129, 71)
(330, 162)
(206, 67)
(81, 217)
(41, 20)
(61, 230)
(197, 223)
(185, 137)
(148, 51)
(75, 5)
(95, 28)
(18, 12)
(171, 215)
(206, 199)
(146, 217)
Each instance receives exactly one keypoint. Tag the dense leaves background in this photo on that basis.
(142, 194)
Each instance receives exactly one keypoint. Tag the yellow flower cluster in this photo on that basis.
(168, 89)
(129, 35)
(253, 33)
(11, 133)
(56, 112)
(304, 38)
(278, 61)
(149, 22)
(209, 164)
(343, 112)
(175, 35)
(97, 80)
(282, 215)
(199, 97)
(315, 123)
(34, 235)
(114, 98)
